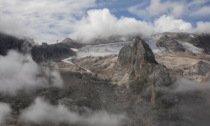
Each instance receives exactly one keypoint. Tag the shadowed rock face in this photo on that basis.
(51, 52)
(8, 42)
(169, 43)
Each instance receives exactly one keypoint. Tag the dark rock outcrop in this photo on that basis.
(51, 52)
(169, 43)
(56, 51)
(200, 68)
(199, 40)
(8, 42)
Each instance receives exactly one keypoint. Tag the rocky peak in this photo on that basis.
(145, 73)
(67, 39)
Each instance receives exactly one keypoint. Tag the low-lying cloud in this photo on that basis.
(42, 112)
(194, 101)
(19, 72)
(102, 24)
(4, 112)
(170, 24)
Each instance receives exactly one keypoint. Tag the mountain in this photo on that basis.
(56, 51)
(157, 81)
(8, 42)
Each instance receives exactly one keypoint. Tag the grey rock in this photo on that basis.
(169, 43)
(125, 55)
(200, 68)
(145, 73)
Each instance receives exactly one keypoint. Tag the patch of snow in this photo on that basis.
(69, 60)
(74, 49)
(87, 70)
(101, 49)
(192, 36)
(189, 46)
(152, 43)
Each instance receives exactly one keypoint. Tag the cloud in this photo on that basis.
(157, 8)
(21, 72)
(4, 112)
(169, 24)
(43, 20)
(203, 27)
(171, 8)
(42, 112)
(102, 24)
(194, 101)
(52, 20)
(202, 12)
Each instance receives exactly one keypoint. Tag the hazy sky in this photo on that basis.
(51, 20)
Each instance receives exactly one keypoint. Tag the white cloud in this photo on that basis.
(102, 24)
(157, 8)
(4, 112)
(169, 24)
(202, 12)
(43, 20)
(203, 27)
(21, 72)
(41, 112)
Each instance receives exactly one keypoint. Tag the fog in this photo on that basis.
(4, 112)
(18, 72)
(42, 112)
(194, 102)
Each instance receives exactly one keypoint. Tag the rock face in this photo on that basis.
(200, 68)
(199, 40)
(169, 43)
(125, 55)
(145, 72)
(71, 43)
(8, 42)
(51, 52)
(56, 51)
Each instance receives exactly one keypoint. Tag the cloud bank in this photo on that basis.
(19, 72)
(103, 24)
(43, 20)
(42, 112)
(52, 20)
(156, 8)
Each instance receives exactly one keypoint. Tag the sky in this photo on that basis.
(52, 20)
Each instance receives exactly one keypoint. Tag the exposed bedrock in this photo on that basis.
(145, 73)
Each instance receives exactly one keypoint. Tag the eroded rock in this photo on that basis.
(169, 43)
(145, 73)
(125, 55)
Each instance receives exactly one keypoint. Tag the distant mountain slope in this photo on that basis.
(56, 51)
(201, 41)
(39, 53)
(8, 42)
